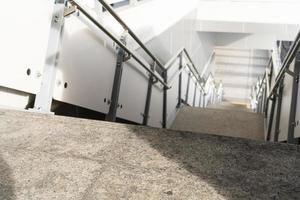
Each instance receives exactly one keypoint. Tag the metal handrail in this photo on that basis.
(182, 52)
(286, 64)
(198, 77)
(130, 32)
(179, 53)
(261, 85)
(264, 77)
(120, 44)
(267, 83)
(207, 64)
(146, 66)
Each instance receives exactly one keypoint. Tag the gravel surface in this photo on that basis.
(52, 157)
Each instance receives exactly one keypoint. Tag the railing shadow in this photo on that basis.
(235, 168)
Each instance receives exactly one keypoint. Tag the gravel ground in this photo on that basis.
(52, 157)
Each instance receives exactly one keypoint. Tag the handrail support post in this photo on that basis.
(165, 100)
(293, 107)
(114, 101)
(151, 81)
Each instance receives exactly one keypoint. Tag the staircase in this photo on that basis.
(225, 119)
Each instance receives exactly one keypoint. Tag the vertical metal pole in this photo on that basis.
(271, 118)
(263, 102)
(148, 98)
(258, 105)
(165, 100)
(266, 107)
(278, 113)
(266, 85)
(200, 99)
(195, 91)
(114, 101)
(204, 99)
(43, 99)
(292, 117)
(180, 81)
(188, 88)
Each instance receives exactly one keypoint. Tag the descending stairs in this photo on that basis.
(225, 119)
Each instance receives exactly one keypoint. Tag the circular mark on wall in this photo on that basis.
(65, 85)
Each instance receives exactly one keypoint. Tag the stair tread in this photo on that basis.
(226, 122)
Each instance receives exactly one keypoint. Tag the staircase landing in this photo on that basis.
(52, 157)
(225, 119)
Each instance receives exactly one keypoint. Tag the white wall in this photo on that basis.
(254, 24)
(257, 11)
(239, 69)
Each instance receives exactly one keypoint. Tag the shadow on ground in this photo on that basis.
(7, 190)
(235, 168)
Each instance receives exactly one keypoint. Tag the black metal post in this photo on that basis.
(266, 85)
(195, 91)
(200, 99)
(263, 103)
(278, 112)
(258, 105)
(188, 88)
(114, 101)
(292, 117)
(148, 97)
(204, 99)
(180, 81)
(266, 107)
(270, 124)
(165, 94)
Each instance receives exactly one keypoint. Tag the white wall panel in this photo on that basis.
(133, 93)
(172, 102)
(87, 64)
(285, 108)
(156, 108)
(25, 27)
(239, 69)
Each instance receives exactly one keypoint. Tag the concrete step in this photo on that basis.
(52, 157)
(230, 106)
(226, 122)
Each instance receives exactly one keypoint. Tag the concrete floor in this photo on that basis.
(224, 119)
(52, 157)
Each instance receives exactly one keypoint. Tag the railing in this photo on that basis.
(273, 90)
(157, 71)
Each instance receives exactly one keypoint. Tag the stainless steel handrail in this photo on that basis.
(286, 64)
(146, 66)
(130, 32)
(120, 44)
(264, 77)
(261, 85)
(195, 72)
(211, 57)
(267, 83)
